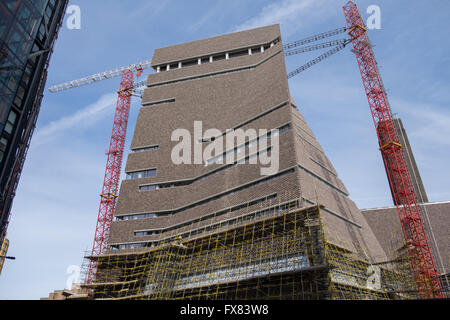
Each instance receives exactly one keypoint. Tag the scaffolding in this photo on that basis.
(277, 252)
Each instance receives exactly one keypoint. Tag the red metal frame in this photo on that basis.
(422, 262)
(112, 174)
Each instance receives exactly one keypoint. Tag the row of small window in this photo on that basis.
(218, 225)
(132, 246)
(196, 204)
(141, 216)
(209, 216)
(145, 149)
(221, 158)
(217, 57)
(147, 233)
(141, 174)
(212, 173)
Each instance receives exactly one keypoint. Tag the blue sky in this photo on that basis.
(56, 205)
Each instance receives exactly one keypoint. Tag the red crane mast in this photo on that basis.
(417, 244)
(112, 174)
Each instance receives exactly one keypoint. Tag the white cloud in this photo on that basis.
(87, 115)
(289, 13)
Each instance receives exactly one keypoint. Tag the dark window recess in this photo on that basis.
(158, 103)
(145, 149)
(3, 145)
(174, 66)
(219, 57)
(203, 218)
(256, 50)
(188, 182)
(266, 47)
(190, 63)
(141, 174)
(205, 60)
(141, 216)
(282, 129)
(246, 146)
(175, 184)
(147, 233)
(239, 53)
(285, 128)
(149, 188)
(227, 193)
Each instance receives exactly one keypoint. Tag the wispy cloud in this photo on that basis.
(87, 115)
(289, 13)
(429, 123)
(206, 18)
(149, 9)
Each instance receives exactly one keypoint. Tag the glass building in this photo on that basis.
(28, 29)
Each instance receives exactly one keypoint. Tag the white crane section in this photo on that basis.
(101, 76)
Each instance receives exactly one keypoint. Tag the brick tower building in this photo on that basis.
(225, 231)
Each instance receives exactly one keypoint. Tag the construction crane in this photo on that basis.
(111, 180)
(418, 247)
(413, 229)
(137, 67)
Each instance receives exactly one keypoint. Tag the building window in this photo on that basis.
(226, 193)
(218, 57)
(256, 50)
(143, 149)
(141, 174)
(3, 145)
(147, 233)
(141, 216)
(190, 63)
(9, 126)
(221, 158)
(238, 53)
(149, 188)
